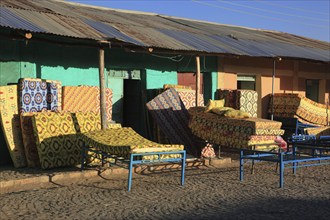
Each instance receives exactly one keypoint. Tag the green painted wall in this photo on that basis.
(156, 79)
(210, 85)
(79, 65)
(71, 76)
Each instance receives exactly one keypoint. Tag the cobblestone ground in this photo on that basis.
(207, 194)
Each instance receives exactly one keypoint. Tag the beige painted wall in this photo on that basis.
(290, 77)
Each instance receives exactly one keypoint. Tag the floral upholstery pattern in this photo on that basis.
(85, 99)
(36, 95)
(10, 124)
(56, 139)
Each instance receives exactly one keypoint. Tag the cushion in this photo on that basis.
(214, 103)
(221, 110)
(236, 114)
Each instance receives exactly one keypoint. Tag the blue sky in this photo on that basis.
(309, 18)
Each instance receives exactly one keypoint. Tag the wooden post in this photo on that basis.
(102, 89)
(273, 82)
(198, 79)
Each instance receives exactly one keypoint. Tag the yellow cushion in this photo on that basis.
(214, 103)
(221, 110)
(236, 114)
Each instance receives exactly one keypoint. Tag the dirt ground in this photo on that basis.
(212, 193)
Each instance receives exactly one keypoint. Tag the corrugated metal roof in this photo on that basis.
(151, 30)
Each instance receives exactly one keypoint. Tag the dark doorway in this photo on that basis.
(133, 108)
(312, 89)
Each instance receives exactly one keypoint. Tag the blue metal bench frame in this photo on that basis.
(316, 158)
(137, 158)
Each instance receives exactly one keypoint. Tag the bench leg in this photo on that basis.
(83, 157)
(183, 167)
(241, 163)
(130, 171)
(281, 171)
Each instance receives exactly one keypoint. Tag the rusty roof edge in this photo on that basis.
(105, 8)
(194, 52)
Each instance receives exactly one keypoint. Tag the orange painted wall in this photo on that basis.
(290, 77)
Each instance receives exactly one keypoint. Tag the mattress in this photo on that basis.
(231, 132)
(29, 141)
(172, 117)
(188, 97)
(85, 99)
(296, 105)
(57, 143)
(36, 95)
(319, 131)
(87, 121)
(10, 123)
(124, 141)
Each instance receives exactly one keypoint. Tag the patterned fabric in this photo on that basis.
(320, 131)
(229, 96)
(56, 139)
(296, 105)
(236, 133)
(245, 100)
(29, 141)
(32, 95)
(10, 124)
(85, 99)
(172, 118)
(124, 141)
(54, 95)
(87, 121)
(36, 95)
(208, 151)
(188, 97)
(167, 86)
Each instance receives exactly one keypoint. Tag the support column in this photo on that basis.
(273, 81)
(198, 80)
(102, 89)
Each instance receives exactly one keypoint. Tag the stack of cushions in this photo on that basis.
(298, 106)
(85, 99)
(233, 128)
(244, 100)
